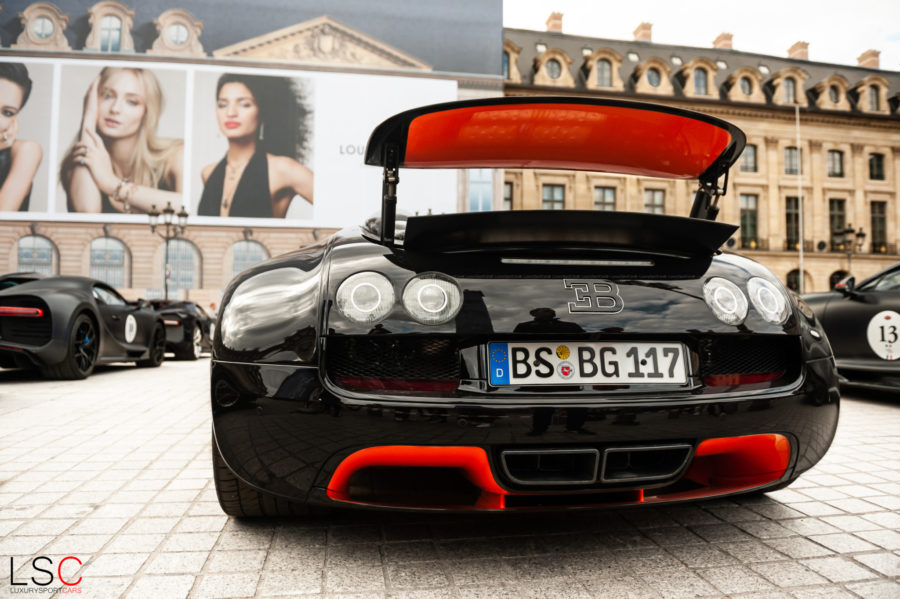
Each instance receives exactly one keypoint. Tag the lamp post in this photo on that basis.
(847, 239)
(173, 230)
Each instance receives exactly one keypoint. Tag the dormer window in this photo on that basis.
(790, 90)
(834, 94)
(111, 23)
(701, 85)
(746, 86)
(874, 98)
(110, 34)
(653, 77)
(604, 73)
(178, 34)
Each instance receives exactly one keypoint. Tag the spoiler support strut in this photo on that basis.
(706, 199)
(389, 182)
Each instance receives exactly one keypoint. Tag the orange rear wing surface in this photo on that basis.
(611, 136)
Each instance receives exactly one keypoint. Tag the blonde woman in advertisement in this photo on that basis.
(118, 164)
(264, 120)
(19, 158)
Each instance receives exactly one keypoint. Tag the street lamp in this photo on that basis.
(846, 240)
(173, 230)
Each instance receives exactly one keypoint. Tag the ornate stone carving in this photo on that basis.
(323, 41)
(541, 74)
(179, 34)
(642, 84)
(513, 51)
(590, 70)
(688, 72)
(43, 27)
(737, 94)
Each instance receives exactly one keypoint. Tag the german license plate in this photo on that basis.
(595, 362)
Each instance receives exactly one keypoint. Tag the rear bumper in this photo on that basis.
(281, 432)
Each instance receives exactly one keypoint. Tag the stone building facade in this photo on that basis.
(848, 166)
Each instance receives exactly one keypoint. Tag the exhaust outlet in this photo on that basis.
(551, 466)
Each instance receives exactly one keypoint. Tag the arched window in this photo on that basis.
(604, 73)
(245, 254)
(790, 90)
(836, 277)
(653, 77)
(746, 86)
(110, 262)
(793, 280)
(834, 94)
(700, 82)
(184, 265)
(37, 254)
(874, 98)
(110, 34)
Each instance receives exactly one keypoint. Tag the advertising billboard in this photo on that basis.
(89, 140)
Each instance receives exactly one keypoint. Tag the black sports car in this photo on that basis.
(189, 328)
(863, 325)
(525, 359)
(67, 325)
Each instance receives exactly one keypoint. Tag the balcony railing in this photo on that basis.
(884, 248)
(793, 245)
(754, 244)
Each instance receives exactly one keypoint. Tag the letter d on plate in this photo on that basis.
(498, 362)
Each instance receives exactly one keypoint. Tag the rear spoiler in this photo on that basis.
(615, 136)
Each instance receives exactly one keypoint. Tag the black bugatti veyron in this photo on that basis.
(65, 326)
(524, 359)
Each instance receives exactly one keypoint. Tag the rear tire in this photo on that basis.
(240, 500)
(192, 352)
(157, 349)
(81, 355)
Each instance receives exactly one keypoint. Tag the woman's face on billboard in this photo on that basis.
(10, 102)
(237, 111)
(121, 105)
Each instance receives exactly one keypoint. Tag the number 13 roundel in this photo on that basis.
(883, 334)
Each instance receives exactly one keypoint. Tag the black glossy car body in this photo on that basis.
(862, 322)
(188, 328)
(312, 407)
(67, 325)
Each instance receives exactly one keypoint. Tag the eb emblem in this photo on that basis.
(598, 297)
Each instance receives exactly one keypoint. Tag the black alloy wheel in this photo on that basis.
(81, 357)
(157, 349)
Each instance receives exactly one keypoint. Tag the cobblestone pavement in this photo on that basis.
(115, 471)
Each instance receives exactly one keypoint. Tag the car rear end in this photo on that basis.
(619, 385)
(25, 328)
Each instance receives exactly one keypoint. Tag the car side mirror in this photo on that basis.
(846, 285)
(142, 304)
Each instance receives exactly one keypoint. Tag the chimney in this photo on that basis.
(800, 51)
(869, 59)
(644, 32)
(554, 22)
(723, 42)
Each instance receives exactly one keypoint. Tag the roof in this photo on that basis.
(734, 60)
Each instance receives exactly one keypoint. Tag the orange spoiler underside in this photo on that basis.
(561, 133)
